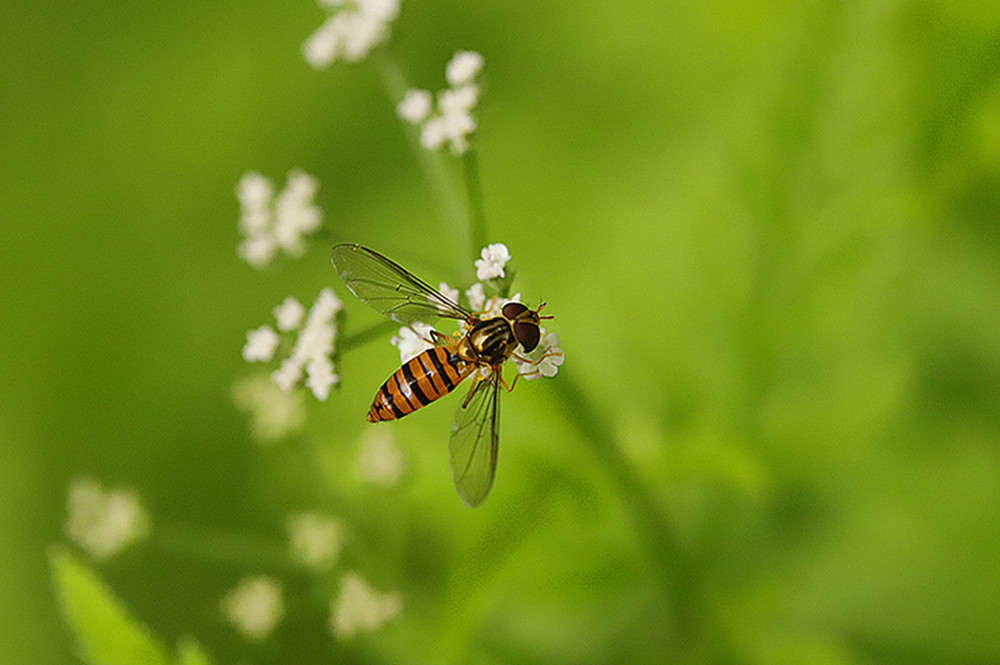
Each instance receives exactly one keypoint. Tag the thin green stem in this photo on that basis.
(654, 528)
(477, 213)
(434, 165)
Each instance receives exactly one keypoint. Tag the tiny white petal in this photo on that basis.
(320, 49)
(463, 67)
(289, 314)
(384, 10)
(433, 133)
(254, 191)
(448, 292)
(476, 296)
(458, 100)
(287, 375)
(261, 344)
(415, 107)
(320, 377)
(257, 250)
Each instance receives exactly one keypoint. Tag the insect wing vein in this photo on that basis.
(391, 289)
(475, 436)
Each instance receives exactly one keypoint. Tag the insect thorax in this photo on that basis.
(491, 341)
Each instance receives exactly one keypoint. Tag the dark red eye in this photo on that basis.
(512, 310)
(527, 334)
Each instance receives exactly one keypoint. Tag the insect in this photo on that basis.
(486, 344)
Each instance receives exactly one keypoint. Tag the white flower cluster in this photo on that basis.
(255, 606)
(544, 359)
(361, 609)
(451, 122)
(103, 523)
(270, 224)
(315, 540)
(494, 258)
(353, 29)
(313, 347)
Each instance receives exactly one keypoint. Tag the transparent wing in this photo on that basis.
(390, 288)
(475, 435)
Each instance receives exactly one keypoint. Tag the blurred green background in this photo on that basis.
(768, 232)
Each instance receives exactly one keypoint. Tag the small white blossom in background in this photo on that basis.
(412, 340)
(315, 540)
(313, 349)
(255, 606)
(463, 68)
(289, 314)
(351, 31)
(360, 609)
(494, 258)
(476, 296)
(448, 292)
(274, 413)
(103, 523)
(271, 224)
(450, 122)
(416, 106)
(544, 359)
(261, 344)
(380, 461)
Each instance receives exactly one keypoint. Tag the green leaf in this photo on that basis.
(105, 632)
(190, 652)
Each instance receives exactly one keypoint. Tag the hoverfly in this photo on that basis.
(486, 344)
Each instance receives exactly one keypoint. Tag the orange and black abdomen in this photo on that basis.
(421, 380)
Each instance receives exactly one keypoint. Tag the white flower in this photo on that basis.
(320, 377)
(255, 606)
(476, 296)
(448, 292)
(451, 123)
(544, 360)
(313, 349)
(274, 413)
(361, 609)
(103, 523)
(350, 32)
(315, 540)
(415, 107)
(289, 314)
(380, 461)
(459, 101)
(412, 341)
(268, 223)
(261, 344)
(463, 67)
(495, 257)
(433, 133)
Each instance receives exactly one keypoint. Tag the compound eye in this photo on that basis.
(512, 310)
(527, 334)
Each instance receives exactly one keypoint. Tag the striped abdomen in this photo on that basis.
(421, 380)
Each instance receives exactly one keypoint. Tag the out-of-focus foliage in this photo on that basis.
(768, 233)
